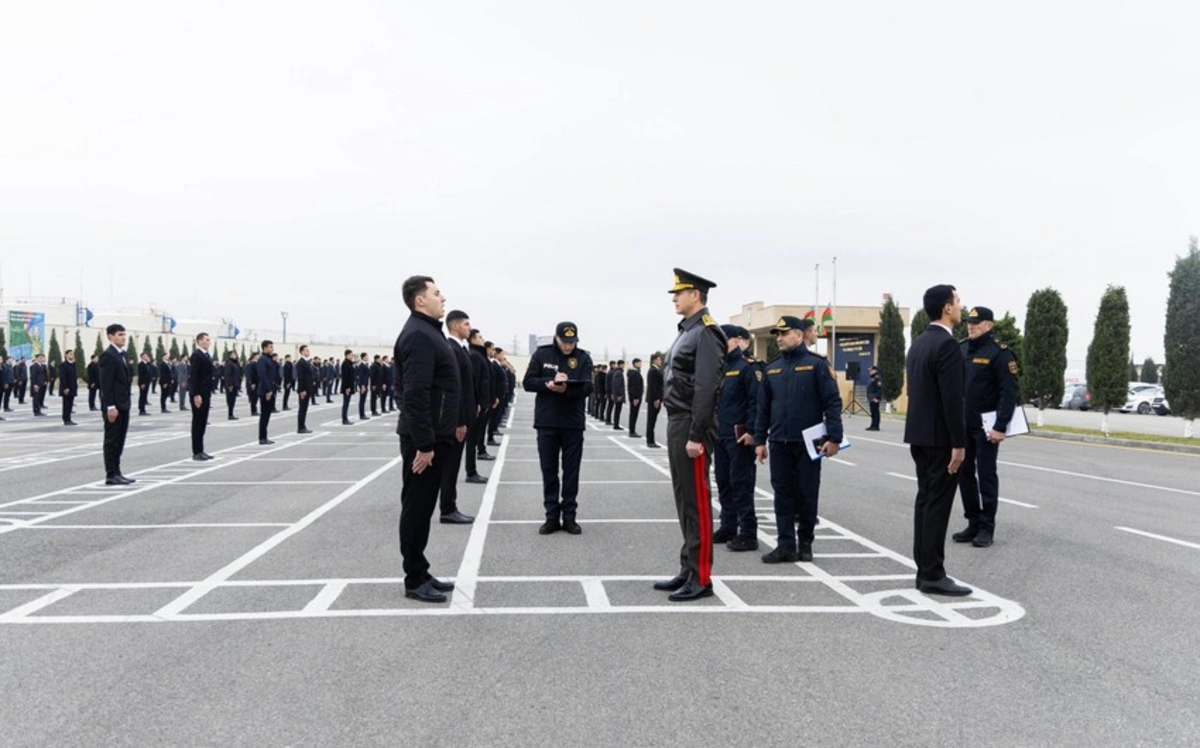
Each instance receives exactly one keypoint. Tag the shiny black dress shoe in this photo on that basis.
(723, 536)
(479, 479)
(347, 423)
(549, 527)
(426, 593)
(485, 457)
(199, 457)
(693, 590)
(493, 443)
(115, 481)
(304, 431)
(943, 586)
(966, 535)
(441, 586)
(672, 584)
(456, 518)
(632, 435)
(572, 527)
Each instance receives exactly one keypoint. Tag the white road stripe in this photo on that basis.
(1163, 538)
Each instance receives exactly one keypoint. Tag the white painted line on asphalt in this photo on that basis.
(326, 597)
(1001, 498)
(322, 458)
(221, 575)
(1163, 538)
(912, 478)
(45, 601)
(1117, 481)
(848, 555)
(597, 597)
(262, 482)
(587, 482)
(590, 461)
(187, 526)
(727, 596)
(463, 599)
(840, 461)
(586, 522)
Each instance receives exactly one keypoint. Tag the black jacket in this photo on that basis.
(875, 389)
(68, 378)
(739, 390)
(637, 386)
(798, 391)
(363, 373)
(616, 384)
(990, 381)
(268, 375)
(289, 373)
(146, 373)
(654, 384)
(376, 375)
(499, 381)
(232, 374)
(93, 375)
(305, 379)
(694, 371)
(936, 409)
(466, 384)
(114, 380)
(348, 375)
(482, 377)
(252, 375)
(426, 383)
(165, 374)
(553, 410)
(201, 374)
(37, 375)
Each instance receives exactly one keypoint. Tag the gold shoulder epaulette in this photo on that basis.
(709, 321)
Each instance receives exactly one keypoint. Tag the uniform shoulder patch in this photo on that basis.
(758, 374)
(1004, 346)
(709, 321)
(1013, 368)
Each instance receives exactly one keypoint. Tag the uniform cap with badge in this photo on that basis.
(685, 281)
(568, 331)
(980, 314)
(788, 323)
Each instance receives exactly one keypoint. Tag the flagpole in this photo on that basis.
(817, 298)
(833, 325)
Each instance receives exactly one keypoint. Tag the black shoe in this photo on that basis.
(781, 555)
(125, 481)
(632, 435)
(493, 443)
(478, 479)
(804, 553)
(441, 586)
(965, 536)
(456, 518)
(723, 535)
(199, 457)
(742, 543)
(304, 431)
(364, 418)
(872, 428)
(485, 457)
(265, 442)
(943, 586)
(654, 446)
(672, 584)
(693, 590)
(70, 423)
(618, 428)
(287, 408)
(571, 526)
(232, 418)
(549, 527)
(983, 539)
(115, 481)
(347, 423)
(426, 593)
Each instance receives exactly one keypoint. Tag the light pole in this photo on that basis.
(284, 315)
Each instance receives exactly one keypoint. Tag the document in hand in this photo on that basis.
(1016, 427)
(814, 437)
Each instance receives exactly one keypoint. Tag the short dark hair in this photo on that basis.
(936, 299)
(303, 348)
(114, 328)
(288, 357)
(201, 336)
(612, 363)
(266, 343)
(488, 344)
(455, 315)
(377, 357)
(637, 361)
(499, 350)
(476, 334)
(620, 362)
(412, 288)
(348, 352)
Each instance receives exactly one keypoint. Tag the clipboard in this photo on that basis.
(1018, 426)
(815, 436)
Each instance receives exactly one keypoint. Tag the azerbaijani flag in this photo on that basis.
(811, 314)
(826, 318)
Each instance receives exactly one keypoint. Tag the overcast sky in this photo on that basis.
(556, 159)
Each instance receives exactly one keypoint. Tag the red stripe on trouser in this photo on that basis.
(704, 516)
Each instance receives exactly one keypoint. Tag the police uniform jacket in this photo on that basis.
(875, 389)
(991, 381)
(268, 376)
(481, 377)
(68, 377)
(426, 383)
(739, 391)
(695, 368)
(551, 409)
(637, 386)
(93, 375)
(201, 368)
(114, 380)
(797, 392)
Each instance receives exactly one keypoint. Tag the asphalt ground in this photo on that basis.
(257, 599)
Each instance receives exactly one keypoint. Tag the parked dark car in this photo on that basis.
(1077, 397)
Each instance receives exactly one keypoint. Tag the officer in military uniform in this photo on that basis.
(695, 369)
(991, 385)
(797, 392)
(560, 375)
(874, 398)
(734, 457)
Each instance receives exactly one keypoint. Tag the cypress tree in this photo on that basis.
(131, 351)
(1133, 370)
(99, 349)
(3, 344)
(80, 361)
(55, 354)
(175, 348)
(159, 350)
(920, 321)
(147, 348)
(1007, 332)
(1044, 367)
(1149, 371)
(890, 356)
(1107, 373)
(185, 353)
(1181, 370)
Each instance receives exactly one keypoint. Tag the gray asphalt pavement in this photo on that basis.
(257, 599)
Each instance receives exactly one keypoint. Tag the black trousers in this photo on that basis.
(231, 400)
(264, 417)
(21, 391)
(39, 400)
(374, 401)
(164, 396)
(448, 496)
(736, 474)
(693, 502)
(874, 414)
(480, 433)
(608, 411)
(935, 502)
(362, 405)
(978, 481)
(796, 480)
(345, 407)
(7, 396)
(418, 498)
(302, 416)
(114, 442)
(616, 416)
(287, 393)
(651, 420)
(92, 392)
(633, 416)
(471, 450)
(253, 395)
(494, 421)
(143, 398)
(200, 422)
(68, 405)
(559, 497)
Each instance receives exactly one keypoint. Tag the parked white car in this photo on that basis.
(1160, 406)
(1141, 401)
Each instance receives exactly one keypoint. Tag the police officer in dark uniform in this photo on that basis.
(695, 368)
(734, 459)
(991, 385)
(874, 398)
(797, 392)
(560, 375)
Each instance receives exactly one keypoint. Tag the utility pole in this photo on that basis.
(285, 316)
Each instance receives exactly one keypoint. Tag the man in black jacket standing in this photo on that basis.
(616, 389)
(252, 383)
(68, 386)
(231, 377)
(874, 398)
(560, 375)
(363, 373)
(306, 389)
(201, 380)
(936, 432)
(147, 375)
(38, 379)
(114, 399)
(166, 375)
(459, 325)
(268, 385)
(482, 372)
(637, 390)
(427, 381)
(654, 396)
(348, 384)
(289, 380)
(93, 381)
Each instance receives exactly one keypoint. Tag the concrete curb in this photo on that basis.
(1087, 439)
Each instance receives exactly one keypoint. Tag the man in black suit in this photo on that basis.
(654, 396)
(616, 389)
(39, 378)
(21, 375)
(306, 389)
(252, 382)
(289, 380)
(201, 379)
(936, 432)
(114, 399)
(68, 386)
(459, 326)
(165, 375)
(268, 385)
(363, 372)
(8, 382)
(93, 381)
(348, 379)
(637, 389)
(146, 378)
(231, 380)
(428, 424)
(375, 377)
(482, 373)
